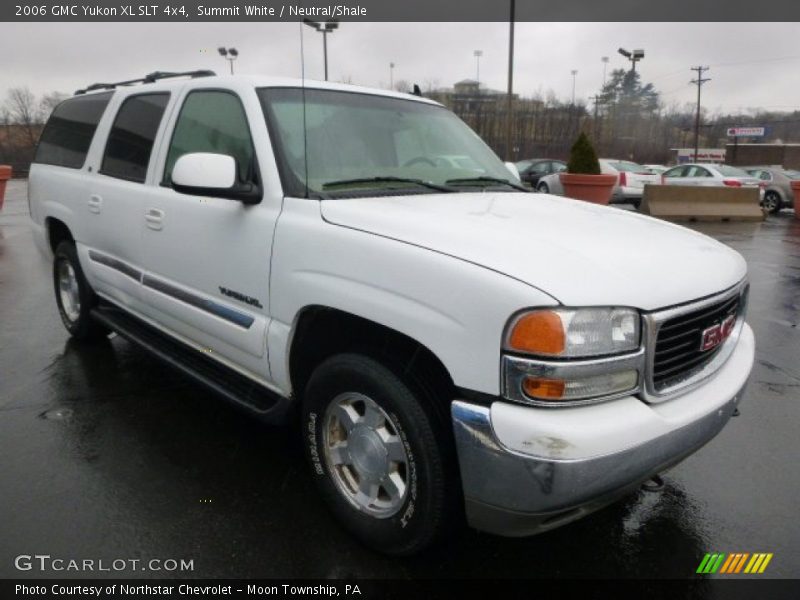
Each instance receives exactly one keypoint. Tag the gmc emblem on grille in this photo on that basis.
(717, 333)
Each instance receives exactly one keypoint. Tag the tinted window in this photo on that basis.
(698, 172)
(676, 172)
(66, 139)
(131, 139)
(212, 121)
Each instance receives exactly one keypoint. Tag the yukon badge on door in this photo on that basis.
(240, 297)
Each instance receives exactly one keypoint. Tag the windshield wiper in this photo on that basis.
(387, 179)
(485, 179)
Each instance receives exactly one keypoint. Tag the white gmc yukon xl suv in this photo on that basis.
(358, 262)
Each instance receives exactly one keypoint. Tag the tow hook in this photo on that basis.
(654, 484)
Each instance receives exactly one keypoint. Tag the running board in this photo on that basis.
(234, 387)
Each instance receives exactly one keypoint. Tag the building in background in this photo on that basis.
(777, 154)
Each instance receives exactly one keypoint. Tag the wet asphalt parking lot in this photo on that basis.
(106, 453)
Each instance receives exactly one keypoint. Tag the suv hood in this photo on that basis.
(579, 253)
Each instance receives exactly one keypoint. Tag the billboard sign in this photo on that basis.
(704, 155)
(746, 131)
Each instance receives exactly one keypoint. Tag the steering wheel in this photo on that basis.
(419, 159)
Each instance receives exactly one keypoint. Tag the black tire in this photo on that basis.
(81, 326)
(772, 202)
(430, 502)
(543, 188)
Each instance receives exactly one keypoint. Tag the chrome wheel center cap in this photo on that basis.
(368, 453)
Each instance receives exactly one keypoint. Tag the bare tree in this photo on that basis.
(23, 110)
(48, 103)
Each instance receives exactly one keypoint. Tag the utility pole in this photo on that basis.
(510, 105)
(699, 81)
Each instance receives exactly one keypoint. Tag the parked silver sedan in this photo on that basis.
(705, 174)
(631, 179)
(777, 186)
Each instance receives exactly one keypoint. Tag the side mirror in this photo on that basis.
(513, 170)
(208, 174)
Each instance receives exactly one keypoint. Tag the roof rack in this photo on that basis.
(150, 78)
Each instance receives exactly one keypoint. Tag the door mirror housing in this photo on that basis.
(209, 174)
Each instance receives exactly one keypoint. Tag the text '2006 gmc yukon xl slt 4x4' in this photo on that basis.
(450, 344)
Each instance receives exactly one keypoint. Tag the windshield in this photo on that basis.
(370, 143)
(729, 171)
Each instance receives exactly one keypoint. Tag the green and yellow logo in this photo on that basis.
(734, 563)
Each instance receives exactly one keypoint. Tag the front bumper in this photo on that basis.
(526, 470)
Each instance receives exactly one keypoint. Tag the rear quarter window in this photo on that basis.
(131, 139)
(68, 134)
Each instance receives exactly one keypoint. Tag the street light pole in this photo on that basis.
(634, 56)
(604, 60)
(324, 27)
(574, 74)
(510, 105)
(229, 54)
(391, 75)
(477, 54)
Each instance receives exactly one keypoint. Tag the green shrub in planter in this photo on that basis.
(583, 158)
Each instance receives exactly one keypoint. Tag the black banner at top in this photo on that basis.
(400, 10)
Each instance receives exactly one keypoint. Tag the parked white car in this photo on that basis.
(440, 340)
(629, 189)
(704, 174)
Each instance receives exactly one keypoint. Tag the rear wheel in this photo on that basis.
(378, 454)
(772, 202)
(543, 188)
(74, 296)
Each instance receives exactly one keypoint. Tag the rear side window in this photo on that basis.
(132, 135)
(68, 134)
(212, 121)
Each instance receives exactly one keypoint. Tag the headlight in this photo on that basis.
(575, 332)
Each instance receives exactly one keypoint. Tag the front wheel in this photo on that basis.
(378, 454)
(74, 296)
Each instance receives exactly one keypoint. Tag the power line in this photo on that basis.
(699, 81)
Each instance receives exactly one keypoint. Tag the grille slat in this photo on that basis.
(678, 342)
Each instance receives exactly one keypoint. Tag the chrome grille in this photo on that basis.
(678, 343)
(673, 336)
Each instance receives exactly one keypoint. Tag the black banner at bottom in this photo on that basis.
(78, 589)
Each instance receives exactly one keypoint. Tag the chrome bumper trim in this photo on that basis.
(512, 494)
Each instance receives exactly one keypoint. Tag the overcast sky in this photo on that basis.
(752, 64)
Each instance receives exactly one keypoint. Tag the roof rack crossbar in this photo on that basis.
(149, 78)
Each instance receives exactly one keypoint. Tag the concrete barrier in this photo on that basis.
(702, 203)
(5, 175)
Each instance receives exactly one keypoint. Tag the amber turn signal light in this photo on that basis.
(544, 389)
(540, 332)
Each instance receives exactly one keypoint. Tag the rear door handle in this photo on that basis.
(154, 218)
(95, 203)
